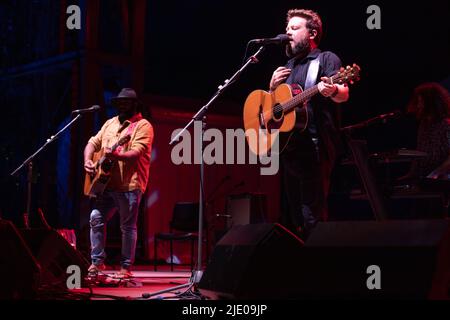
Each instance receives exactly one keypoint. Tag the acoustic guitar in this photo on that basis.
(264, 112)
(95, 184)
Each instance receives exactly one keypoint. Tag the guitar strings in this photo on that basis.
(295, 101)
(308, 93)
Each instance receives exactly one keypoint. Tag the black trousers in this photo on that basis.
(305, 181)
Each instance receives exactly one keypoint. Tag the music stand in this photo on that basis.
(200, 116)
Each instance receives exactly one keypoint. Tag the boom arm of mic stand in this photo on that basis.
(200, 114)
(52, 138)
(354, 127)
(366, 123)
(29, 162)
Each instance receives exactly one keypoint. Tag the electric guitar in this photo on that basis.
(264, 111)
(95, 184)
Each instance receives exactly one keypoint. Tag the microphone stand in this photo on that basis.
(358, 149)
(383, 118)
(200, 116)
(29, 162)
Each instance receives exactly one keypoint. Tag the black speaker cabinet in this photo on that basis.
(409, 259)
(19, 269)
(54, 255)
(253, 261)
(345, 260)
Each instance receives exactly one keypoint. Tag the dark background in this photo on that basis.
(203, 43)
(191, 47)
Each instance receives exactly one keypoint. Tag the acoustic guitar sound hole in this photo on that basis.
(107, 165)
(277, 113)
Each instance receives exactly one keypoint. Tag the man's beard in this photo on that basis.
(126, 114)
(300, 50)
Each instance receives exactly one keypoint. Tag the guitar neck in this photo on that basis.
(115, 146)
(304, 96)
(300, 98)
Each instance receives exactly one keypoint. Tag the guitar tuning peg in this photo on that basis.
(348, 68)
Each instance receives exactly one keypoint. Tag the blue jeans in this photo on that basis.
(106, 205)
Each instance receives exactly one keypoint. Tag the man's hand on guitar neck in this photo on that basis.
(326, 88)
(336, 92)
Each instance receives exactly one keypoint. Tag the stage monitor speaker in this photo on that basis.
(54, 254)
(246, 208)
(19, 269)
(253, 261)
(377, 260)
(344, 260)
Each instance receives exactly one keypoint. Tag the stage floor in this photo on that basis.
(146, 284)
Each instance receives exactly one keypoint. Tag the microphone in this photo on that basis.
(279, 39)
(384, 117)
(91, 109)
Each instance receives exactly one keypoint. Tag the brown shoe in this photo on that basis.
(123, 274)
(94, 269)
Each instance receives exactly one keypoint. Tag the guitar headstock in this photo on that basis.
(347, 75)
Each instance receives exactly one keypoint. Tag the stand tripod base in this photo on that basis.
(197, 276)
(157, 293)
(193, 282)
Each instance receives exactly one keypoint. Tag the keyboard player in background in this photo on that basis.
(430, 103)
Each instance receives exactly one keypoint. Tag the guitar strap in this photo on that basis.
(311, 79)
(313, 71)
(133, 123)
